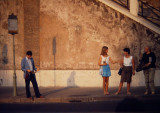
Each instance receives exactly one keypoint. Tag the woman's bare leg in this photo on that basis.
(104, 84)
(120, 87)
(107, 83)
(128, 88)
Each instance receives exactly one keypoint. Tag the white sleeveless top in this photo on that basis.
(127, 61)
(105, 59)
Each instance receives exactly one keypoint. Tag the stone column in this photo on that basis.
(134, 7)
(31, 28)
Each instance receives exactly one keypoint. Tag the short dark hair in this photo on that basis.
(126, 50)
(29, 53)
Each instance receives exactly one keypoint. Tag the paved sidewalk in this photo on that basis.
(68, 94)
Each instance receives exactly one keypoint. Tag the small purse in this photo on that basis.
(120, 71)
(101, 70)
(27, 76)
(141, 67)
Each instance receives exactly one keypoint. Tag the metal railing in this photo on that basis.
(149, 12)
(124, 3)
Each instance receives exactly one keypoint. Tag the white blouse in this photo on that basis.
(105, 59)
(127, 61)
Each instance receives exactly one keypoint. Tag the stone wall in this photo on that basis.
(73, 78)
(8, 7)
(31, 28)
(69, 35)
(82, 27)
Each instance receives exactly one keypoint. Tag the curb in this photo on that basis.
(74, 99)
(55, 100)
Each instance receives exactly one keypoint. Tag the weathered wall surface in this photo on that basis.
(73, 78)
(81, 28)
(75, 30)
(8, 7)
(31, 28)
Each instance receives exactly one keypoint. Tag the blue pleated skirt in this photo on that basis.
(106, 71)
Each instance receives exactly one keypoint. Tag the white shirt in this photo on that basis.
(105, 59)
(127, 61)
(30, 64)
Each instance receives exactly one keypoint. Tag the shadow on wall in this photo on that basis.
(70, 83)
(71, 80)
(4, 54)
(1, 82)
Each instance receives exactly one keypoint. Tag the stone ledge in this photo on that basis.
(26, 100)
(47, 100)
(77, 99)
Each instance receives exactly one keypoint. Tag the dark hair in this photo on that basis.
(126, 50)
(149, 48)
(103, 52)
(29, 53)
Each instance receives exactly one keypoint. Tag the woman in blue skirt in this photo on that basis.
(105, 71)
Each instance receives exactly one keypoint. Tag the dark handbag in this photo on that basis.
(27, 76)
(120, 71)
(141, 67)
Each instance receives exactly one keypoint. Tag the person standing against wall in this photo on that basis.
(105, 71)
(149, 60)
(28, 67)
(128, 68)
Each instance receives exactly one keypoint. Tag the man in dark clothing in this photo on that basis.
(149, 59)
(28, 67)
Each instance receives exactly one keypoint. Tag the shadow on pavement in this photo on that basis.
(54, 91)
(130, 104)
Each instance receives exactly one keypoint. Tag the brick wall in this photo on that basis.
(31, 28)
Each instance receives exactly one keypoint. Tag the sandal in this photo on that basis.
(146, 93)
(107, 93)
(153, 93)
(128, 93)
(117, 93)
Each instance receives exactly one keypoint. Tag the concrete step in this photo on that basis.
(78, 99)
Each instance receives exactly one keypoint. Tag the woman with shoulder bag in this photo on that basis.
(128, 69)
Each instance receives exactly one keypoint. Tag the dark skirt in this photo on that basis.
(126, 74)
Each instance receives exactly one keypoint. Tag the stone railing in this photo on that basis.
(124, 3)
(149, 12)
(142, 8)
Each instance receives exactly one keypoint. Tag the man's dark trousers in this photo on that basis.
(35, 86)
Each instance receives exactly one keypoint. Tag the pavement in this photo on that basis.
(73, 94)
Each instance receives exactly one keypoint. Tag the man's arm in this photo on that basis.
(34, 68)
(142, 59)
(23, 65)
(153, 59)
(133, 66)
